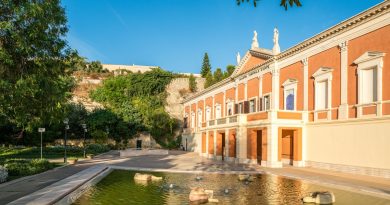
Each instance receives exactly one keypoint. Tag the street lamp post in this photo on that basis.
(66, 122)
(85, 130)
(41, 130)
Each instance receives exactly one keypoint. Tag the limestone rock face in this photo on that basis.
(199, 195)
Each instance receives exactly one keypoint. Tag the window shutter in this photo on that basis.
(260, 104)
(235, 108)
(246, 107)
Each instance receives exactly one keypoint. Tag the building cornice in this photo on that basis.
(346, 25)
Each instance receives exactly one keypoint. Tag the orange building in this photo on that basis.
(323, 103)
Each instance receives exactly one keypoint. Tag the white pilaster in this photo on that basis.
(215, 143)
(275, 88)
(226, 144)
(343, 109)
(272, 147)
(305, 63)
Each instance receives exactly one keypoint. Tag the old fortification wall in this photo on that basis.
(177, 90)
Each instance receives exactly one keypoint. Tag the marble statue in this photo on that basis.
(238, 58)
(255, 43)
(276, 48)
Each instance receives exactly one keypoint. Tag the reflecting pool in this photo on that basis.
(119, 187)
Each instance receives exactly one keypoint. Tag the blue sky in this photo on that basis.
(175, 34)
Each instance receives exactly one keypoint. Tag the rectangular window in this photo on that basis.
(289, 99)
(199, 118)
(322, 95)
(260, 104)
(369, 85)
(217, 112)
(208, 114)
(241, 108)
(252, 106)
(267, 103)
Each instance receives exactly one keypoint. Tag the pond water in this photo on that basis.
(119, 187)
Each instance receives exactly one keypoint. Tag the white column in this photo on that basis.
(305, 63)
(224, 104)
(343, 109)
(260, 85)
(207, 144)
(196, 117)
(272, 147)
(204, 111)
(215, 144)
(275, 92)
(379, 88)
(227, 145)
(213, 109)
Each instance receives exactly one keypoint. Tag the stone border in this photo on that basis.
(143, 169)
(75, 194)
(58, 191)
(68, 190)
(342, 185)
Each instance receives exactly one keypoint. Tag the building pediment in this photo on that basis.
(289, 81)
(369, 56)
(322, 71)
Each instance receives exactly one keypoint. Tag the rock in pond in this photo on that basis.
(199, 195)
(245, 177)
(146, 177)
(320, 198)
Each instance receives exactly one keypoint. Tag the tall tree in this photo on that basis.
(284, 3)
(34, 82)
(206, 67)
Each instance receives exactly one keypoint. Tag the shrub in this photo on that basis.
(23, 167)
(3, 174)
(97, 148)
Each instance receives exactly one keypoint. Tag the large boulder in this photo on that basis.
(142, 177)
(199, 195)
(320, 198)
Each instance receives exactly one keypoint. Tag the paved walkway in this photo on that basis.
(185, 161)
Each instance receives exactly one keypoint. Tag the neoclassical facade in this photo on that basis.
(322, 103)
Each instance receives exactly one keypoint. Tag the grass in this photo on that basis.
(26, 161)
(52, 152)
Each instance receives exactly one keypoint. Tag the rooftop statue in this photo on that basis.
(276, 48)
(255, 43)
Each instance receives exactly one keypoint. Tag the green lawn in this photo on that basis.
(26, 161)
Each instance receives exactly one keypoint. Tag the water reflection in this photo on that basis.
(119, 187)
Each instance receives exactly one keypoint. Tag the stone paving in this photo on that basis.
(187, 161)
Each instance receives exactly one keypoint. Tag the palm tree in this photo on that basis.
(284, 3)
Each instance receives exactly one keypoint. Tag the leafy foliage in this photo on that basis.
(138, 100)
(219, 75)
(34, 80)
(283, 3)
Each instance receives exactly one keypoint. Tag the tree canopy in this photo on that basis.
(283, 3)
(34, 82)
